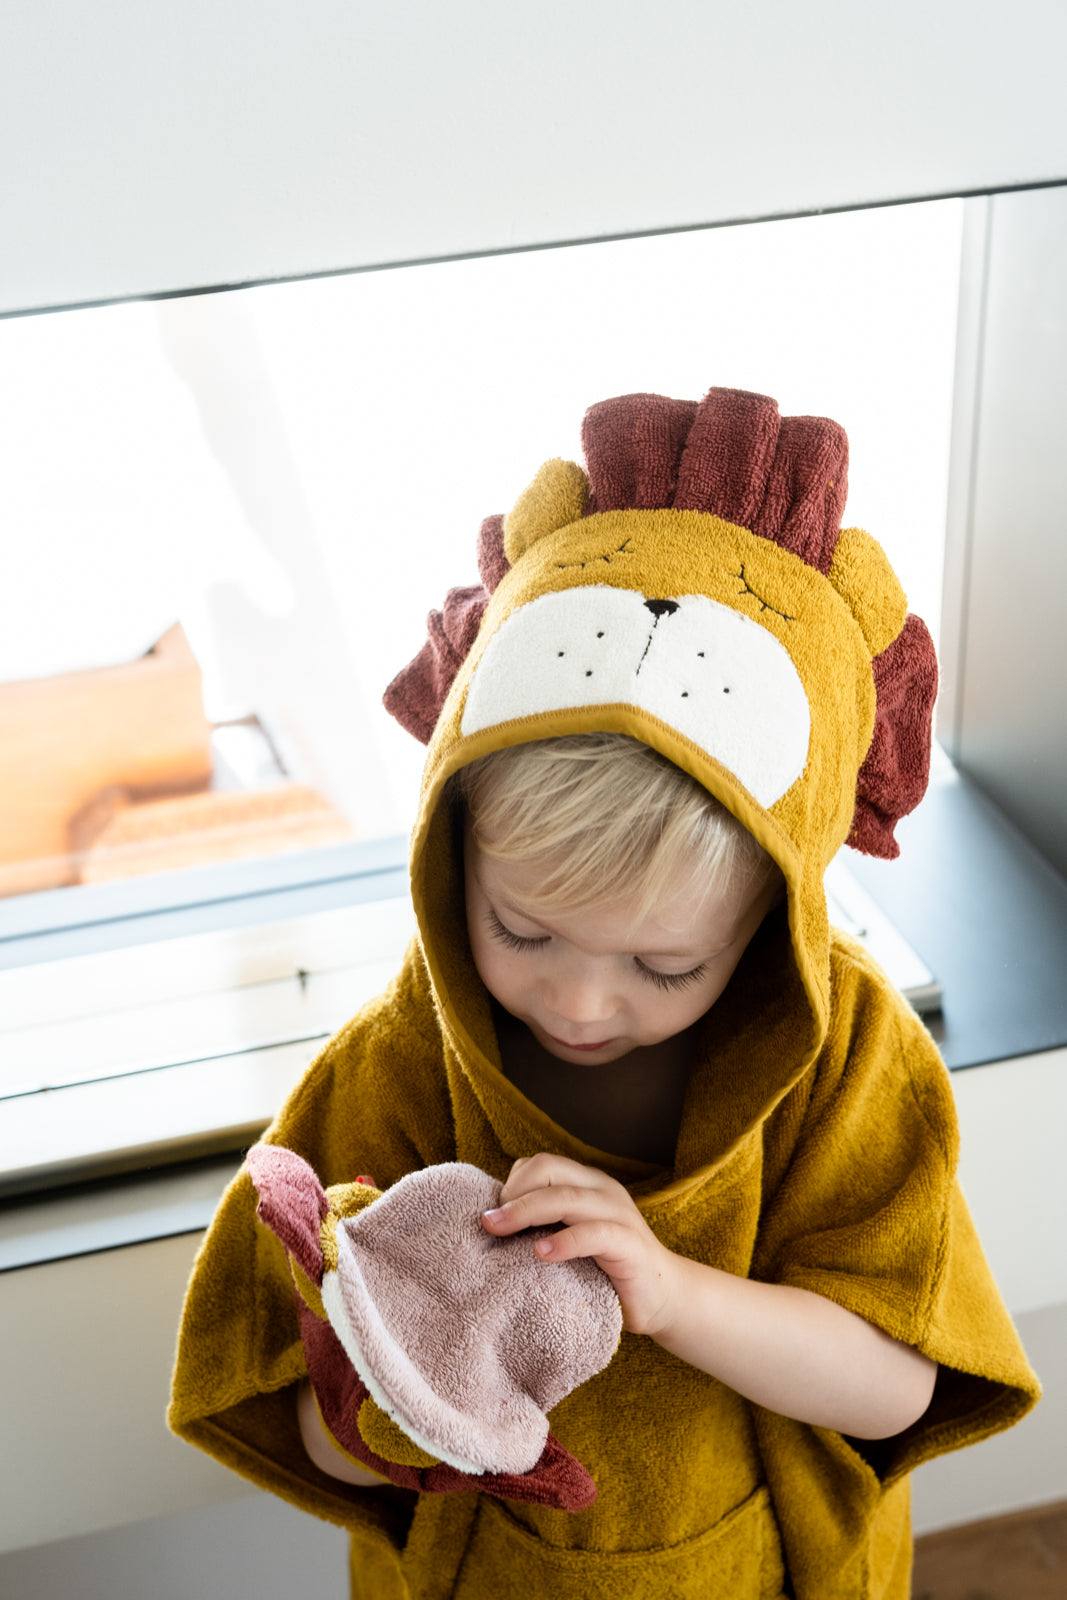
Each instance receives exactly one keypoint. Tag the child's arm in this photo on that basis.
(796, 1352)
(324, 1450)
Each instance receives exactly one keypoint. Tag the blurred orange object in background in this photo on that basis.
(108, 773)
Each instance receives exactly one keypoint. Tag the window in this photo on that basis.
(230, 514)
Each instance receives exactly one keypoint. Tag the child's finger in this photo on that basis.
(555, 1203)
(546, 1170)
(600, 1237)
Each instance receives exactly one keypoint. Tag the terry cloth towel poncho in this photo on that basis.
(690, 587)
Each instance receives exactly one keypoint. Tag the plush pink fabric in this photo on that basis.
(292, 1202)
(558, 1479)
(463, 1337)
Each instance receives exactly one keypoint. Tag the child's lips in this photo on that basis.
(599, 1045)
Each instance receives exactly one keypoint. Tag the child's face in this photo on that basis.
(599, 977)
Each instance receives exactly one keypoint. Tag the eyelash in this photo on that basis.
(664, 980)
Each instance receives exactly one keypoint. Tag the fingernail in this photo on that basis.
(498, 1211)
(543, 1247)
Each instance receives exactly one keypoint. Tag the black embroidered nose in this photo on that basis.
(661, 608)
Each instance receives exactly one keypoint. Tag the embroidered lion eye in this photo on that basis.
(608, 556)
(764, 605)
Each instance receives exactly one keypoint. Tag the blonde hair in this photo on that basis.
(608, 818)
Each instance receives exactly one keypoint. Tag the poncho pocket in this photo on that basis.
(740, 1555)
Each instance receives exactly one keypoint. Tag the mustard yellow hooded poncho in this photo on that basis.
(692, 587)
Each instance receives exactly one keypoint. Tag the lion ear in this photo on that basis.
(863, 578)
(557, 495)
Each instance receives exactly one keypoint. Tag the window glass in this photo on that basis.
(227, 515)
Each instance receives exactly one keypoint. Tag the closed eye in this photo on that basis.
(664, 980)
(764, 605)
(608, 556)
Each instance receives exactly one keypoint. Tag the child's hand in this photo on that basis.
(545, 1188)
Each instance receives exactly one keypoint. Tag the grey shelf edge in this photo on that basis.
(93, 1217)
(988, 914)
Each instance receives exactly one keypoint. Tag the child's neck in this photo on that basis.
(641, 1115)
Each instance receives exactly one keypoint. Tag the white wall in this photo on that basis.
(146, 148)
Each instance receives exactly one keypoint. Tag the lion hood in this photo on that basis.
(692, 587)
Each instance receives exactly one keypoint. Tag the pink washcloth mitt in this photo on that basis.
(435, 1349)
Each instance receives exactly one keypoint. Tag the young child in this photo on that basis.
(680, 687)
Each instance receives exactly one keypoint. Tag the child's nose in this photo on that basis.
(581, 1004)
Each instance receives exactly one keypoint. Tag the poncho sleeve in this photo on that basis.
(871, 1214)
(374, 1100)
